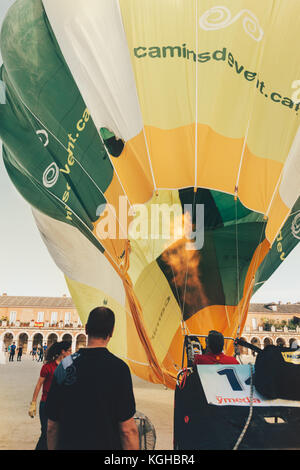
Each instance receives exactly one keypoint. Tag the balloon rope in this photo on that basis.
(237, 264)
(177, 292)
(274, 193)
(293, 213)
(196, 141)
(240, 311)
(253, 271)
(252, 107)
(149, 158)
(241, 437)
(242, 156)
(196, 97)
(227, 316)
(270, 206)
(119, 179)
(187, 261)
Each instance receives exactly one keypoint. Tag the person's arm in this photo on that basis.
(32, 408)
(125, 410)
(38, 388)
(52, 434)
(129, 435)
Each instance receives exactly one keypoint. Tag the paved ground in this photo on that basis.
(20, 432)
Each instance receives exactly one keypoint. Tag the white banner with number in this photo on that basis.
(225, 385)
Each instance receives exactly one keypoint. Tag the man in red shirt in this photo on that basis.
(213, 353)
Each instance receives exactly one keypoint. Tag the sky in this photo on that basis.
(26, 268)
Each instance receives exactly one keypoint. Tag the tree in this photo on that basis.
(268, 323)
(291, 324)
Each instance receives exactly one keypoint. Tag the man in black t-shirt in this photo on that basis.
(90, 405)
(20, 353)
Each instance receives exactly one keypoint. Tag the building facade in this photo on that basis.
(274, 323)
(32, 321)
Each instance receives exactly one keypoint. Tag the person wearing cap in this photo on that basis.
(214, 351)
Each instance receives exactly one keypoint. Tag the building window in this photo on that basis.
(67, 318)
(12, 317)
(40, 317)
(254, 323)
(53, 318)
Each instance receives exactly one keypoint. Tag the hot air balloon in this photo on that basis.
(129, 107)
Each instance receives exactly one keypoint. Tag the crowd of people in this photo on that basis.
(38, 352)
